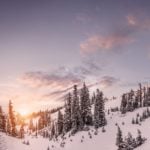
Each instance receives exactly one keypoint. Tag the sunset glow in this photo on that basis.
(44, 54)
(23, 111)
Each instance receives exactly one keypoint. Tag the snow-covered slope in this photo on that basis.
(82, 140)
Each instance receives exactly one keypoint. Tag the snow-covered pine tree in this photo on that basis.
(85, 106)
(53, 132)
(144, 96)
(140, 94)
(119, 138)
(36, 129)
(147, 97)
(123, 104)
(67, 115)
(77, 123)
(60, 123)
(47, 118)
(136, 104)
(130, 140)
(139, 138)
(40, 123)
(2, 120)
(99, 113)
(8, 126)
(93, 98)
(31, 126)
(21, 132)
(12, 119)
(131, 101)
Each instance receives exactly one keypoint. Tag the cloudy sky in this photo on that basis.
(46, 46)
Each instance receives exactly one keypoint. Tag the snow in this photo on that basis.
(104, 140)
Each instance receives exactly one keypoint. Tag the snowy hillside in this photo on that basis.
(86, 139)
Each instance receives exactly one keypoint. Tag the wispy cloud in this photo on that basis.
(105, 82)
(58, 92)
(104, 43)
(119, 37)
(139, 23)
(108, 81)
(41, 79)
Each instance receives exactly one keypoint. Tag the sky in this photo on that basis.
(47, 46)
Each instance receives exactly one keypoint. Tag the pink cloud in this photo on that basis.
(137, 22)
(132, 20)
(101, 43)
(41, 79)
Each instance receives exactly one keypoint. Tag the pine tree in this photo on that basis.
(136, 104)
(137, 120)
(133, 121)
(123, 104)
(21, 131)
(129, 139)
(60, 123)
(77, 123)
(8, 127)
(12, 119)
(36, 129)
(31, 126)
(144, 97)
(140, 94)
(67, 115)
(93, 98)
(41, 123)
(119, 138)
(130, 105)
(99, 114)
(139, 138)
(47, 118)
(85, 106)
(53, 132)
(2, 121)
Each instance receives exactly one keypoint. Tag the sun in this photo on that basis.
(24, 111)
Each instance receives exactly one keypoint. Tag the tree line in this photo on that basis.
(77, 112)
(135, 99)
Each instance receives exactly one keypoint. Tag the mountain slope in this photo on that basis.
(87, 139)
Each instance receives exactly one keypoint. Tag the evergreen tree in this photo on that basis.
(93, 98)
(67, 115)
(21, 131)
(53, 132)
(2, 120)
(140, 94)
(40, 123)
(129, 139)
(137, 120)
(8, 127)
(119, 138)
(31, 126)
(139, 138)
(77, 123)
(36, 129)
(123, 104)
(60, 123)
(130, 104)
(85, 106)
(144, 97)
(12, 119)
(99, 114)
(47, 118)
(133, 121)
(136, 104)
